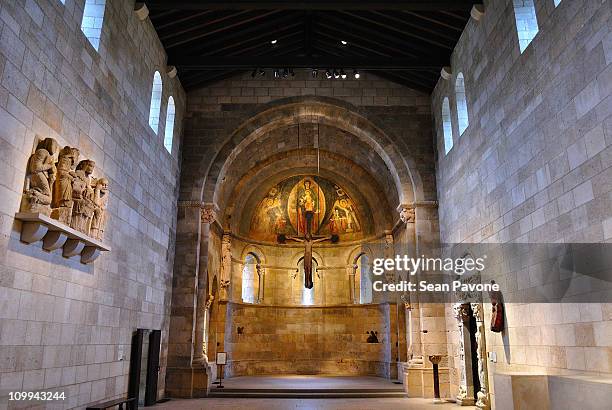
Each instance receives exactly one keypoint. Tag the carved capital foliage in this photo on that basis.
(208, 215)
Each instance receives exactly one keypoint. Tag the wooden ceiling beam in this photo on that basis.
(273, 28)
(250, 62)
(310, 5)
(204, 31)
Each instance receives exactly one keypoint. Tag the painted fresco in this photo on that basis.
(283, 210)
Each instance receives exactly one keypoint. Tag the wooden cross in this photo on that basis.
(308, 240)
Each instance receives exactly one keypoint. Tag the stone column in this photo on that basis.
(181, 340)
(226, 266)
(351, 270)
(261, 283)
(466, 384)
(207, 218)
(482, 395)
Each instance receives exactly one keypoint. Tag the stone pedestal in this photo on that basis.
(418, 382)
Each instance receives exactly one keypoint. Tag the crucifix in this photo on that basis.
(308, 240)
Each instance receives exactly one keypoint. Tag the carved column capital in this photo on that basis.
(406, 213)
(461, 312)
(208, 214)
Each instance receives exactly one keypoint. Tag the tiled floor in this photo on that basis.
(307, 404)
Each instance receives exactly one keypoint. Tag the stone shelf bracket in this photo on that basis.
(55, 235)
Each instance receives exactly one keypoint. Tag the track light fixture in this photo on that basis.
(343, 74)
(356, 74)
(328, 74)
(314, 73)
(276, 74)
(336, 74)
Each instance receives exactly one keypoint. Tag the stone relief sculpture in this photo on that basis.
(83, 197)
(226, 264)
(98, 220)
(407, 215)
(59, 186)
(41, 174)
(62, 189)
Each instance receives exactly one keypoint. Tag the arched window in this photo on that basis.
(365, 280)
(526, 22)
(250, 279)
(169, 133)
(156, 95)
(447, 126)
(93, 17)
(462, 109)
(307, 297)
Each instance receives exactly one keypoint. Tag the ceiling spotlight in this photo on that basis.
(356, 74)
(261, 72)
(314, 73)
(336, 74)
(343, 42)
(343, 74)
(285, 72)
(273, 42)
(328, 74)
(276, 74)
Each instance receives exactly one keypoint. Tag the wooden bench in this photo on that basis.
(117, 402)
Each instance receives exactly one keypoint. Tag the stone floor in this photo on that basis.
(294, 382)
(307, 404)
(316, 383)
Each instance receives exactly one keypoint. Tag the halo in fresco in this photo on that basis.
(283, 209)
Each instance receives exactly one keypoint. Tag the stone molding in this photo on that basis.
(55, 235)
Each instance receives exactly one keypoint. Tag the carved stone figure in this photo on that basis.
(41, 174)
(98, 221)
(83, 197)
(226, 264)
(407, 215)
(62, 189)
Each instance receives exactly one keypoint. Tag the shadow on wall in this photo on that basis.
(35, 251)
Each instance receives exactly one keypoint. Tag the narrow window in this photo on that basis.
(156, 94)
(447, 126)
(307, 295)
(526, 22)
(93, 17)
(169, 133)
(462, 110)
(250, 279)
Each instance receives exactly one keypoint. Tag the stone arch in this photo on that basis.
(295, 110)
(255, 251)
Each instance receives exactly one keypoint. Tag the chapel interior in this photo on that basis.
(194, 196)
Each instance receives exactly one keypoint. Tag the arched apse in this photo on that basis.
(402, 167)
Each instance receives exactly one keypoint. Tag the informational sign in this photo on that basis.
(221, 357)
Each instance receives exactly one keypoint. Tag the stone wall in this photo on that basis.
(218, 110)
(67, 326)
(534, 166)
(308, 340)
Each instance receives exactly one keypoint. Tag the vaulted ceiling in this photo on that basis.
(405, 41)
